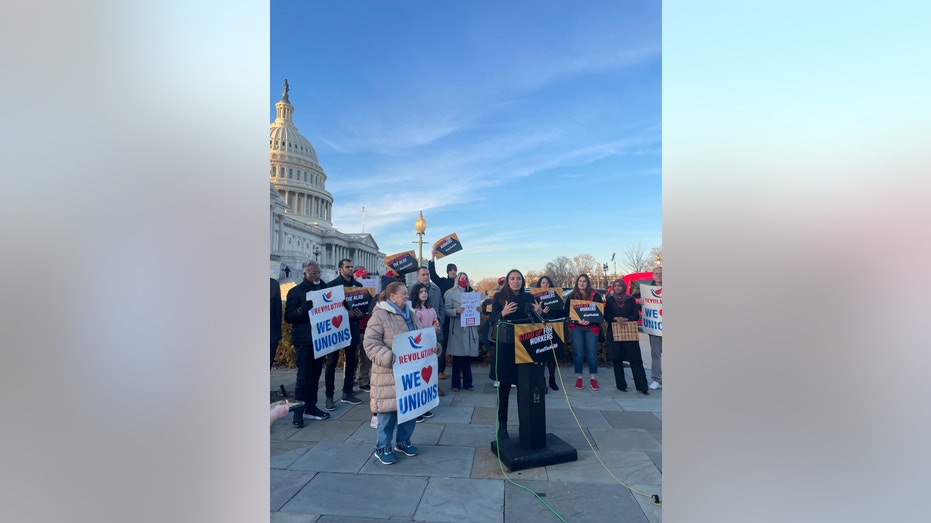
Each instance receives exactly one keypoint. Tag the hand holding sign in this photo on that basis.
(446, 246)
(416, 390)
(402, 262)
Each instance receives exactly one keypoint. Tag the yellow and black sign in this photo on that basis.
(359, 297)
(590, 311)
(402, 262)
(447, 245)
(537, 341)
(548, 297)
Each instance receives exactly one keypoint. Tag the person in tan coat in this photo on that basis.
(391, 316)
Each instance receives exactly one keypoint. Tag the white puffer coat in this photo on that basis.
(383, 326)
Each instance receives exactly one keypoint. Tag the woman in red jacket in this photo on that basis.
(584, 334)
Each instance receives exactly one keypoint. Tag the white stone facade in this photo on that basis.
(301, 208)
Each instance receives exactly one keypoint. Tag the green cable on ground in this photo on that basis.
(498, 429)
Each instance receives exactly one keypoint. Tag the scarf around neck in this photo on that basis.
(405, 313)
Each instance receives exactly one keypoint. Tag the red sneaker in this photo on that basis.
(578, 383)
(595, 384)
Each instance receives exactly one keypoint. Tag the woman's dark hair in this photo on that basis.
(506, 294)
(547, 278)
(577, 293)
(415, 296)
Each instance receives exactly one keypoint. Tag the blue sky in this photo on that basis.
(530, 129)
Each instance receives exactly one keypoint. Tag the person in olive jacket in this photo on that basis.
(621, 307)
(392, 316)
(296, 312)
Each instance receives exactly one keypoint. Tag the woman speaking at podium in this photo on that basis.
(512, 304)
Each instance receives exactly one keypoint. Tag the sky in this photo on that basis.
(532, 130)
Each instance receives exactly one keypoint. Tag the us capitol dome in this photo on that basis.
(302, 208)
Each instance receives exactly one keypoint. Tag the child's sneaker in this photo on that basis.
(406, 448)
(595, 384)
(578, 383)
(385, 456)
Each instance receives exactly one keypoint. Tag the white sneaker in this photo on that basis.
(655, 385)
(497, 383)
(374, 422)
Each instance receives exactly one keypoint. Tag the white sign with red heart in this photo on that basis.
(329, 320)
(416, 385)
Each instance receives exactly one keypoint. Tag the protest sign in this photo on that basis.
(447, 245)
(548, 297)
(470, 315)
(371, 283)
(537, 341)
(415, 381)
(402, 262)
(359, 297)
(590, 311)
(651, 300)
(329, 320)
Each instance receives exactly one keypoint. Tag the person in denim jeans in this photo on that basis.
(392, 316)
(584, 335)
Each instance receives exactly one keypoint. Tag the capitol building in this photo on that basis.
(301, 208)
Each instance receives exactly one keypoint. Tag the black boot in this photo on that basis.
(553, 383)
(503, 432)
(298, 419)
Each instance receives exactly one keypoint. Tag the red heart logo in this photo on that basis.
(337, 320)
(426, 373)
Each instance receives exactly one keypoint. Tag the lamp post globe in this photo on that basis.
(420, 226)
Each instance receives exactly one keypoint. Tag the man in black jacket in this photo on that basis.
(296, 312)
(444, 284)
(344, 279)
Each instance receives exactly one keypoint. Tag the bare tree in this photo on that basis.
(485, 284)
(586, 264)
(561, 271)
(635, 258)
(531, 276)
(656, 256)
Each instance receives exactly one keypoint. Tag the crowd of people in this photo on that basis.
(438, 302)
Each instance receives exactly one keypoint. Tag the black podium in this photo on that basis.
(535, 447)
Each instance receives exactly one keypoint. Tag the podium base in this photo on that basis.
(517, 458)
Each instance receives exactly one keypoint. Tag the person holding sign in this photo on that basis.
(550, 313)
(364, 368)
(584, 334)
(392, 316)
(511, 304)
(621, 307)
(444, 284)
(462, 343)
(428, 314)
(344, 279)
(656, 342)
(297, 313)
